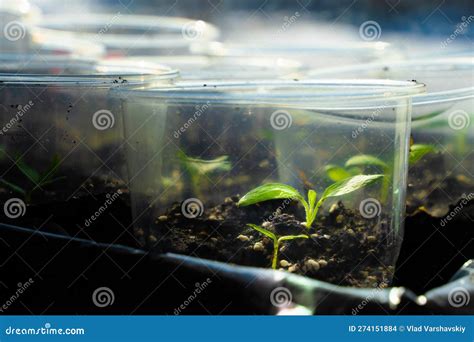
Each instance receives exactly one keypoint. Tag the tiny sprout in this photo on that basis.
(38, 179)
(276, 240)
(311, 206)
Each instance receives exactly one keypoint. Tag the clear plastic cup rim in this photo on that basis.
(178, 31)
(321, 93)
(435, 65)
(96, 73)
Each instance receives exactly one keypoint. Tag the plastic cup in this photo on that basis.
(443, 127)
(127, 35)
(58, 122)
(316, 55)
(203, 146)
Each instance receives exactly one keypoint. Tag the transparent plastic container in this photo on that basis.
(193, 67)
(205, 146)
(127, 35)
(441, 171)
(316, 54)
(61, 134)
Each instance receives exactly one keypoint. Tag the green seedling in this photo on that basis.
(200, 170)
(37, 179)
(418, 151)
(358, 164)
(276, 240)
(273, 191)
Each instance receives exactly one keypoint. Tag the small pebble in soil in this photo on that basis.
(371, 238)
(258, 247)
(326, 236)
(243, 238)
(333, 208)
(266, 224)
(152, 238)
(311, 265)
(339, 219)
(162, 218)
(293, 268)
(228, 200)
(350, 232)
(314, 236)
(322, 263)
(284, 263)
(213, 217)
(213, 239)
(282, 249)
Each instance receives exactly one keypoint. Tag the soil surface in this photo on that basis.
(72, 216)
(433, 191)
(343, 247)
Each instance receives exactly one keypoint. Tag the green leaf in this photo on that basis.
(292, 237)
(263, 231)
(28, 171)
(312, 198)
(202, 166)
(349, 185)
(365, 160)
(336, 173)
(268, 192)
(417, 151)
(12, 186)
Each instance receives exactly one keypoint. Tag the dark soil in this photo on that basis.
(432, 191)
(46, 212)
(343, 248)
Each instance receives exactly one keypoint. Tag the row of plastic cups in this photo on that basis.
(91, 119)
